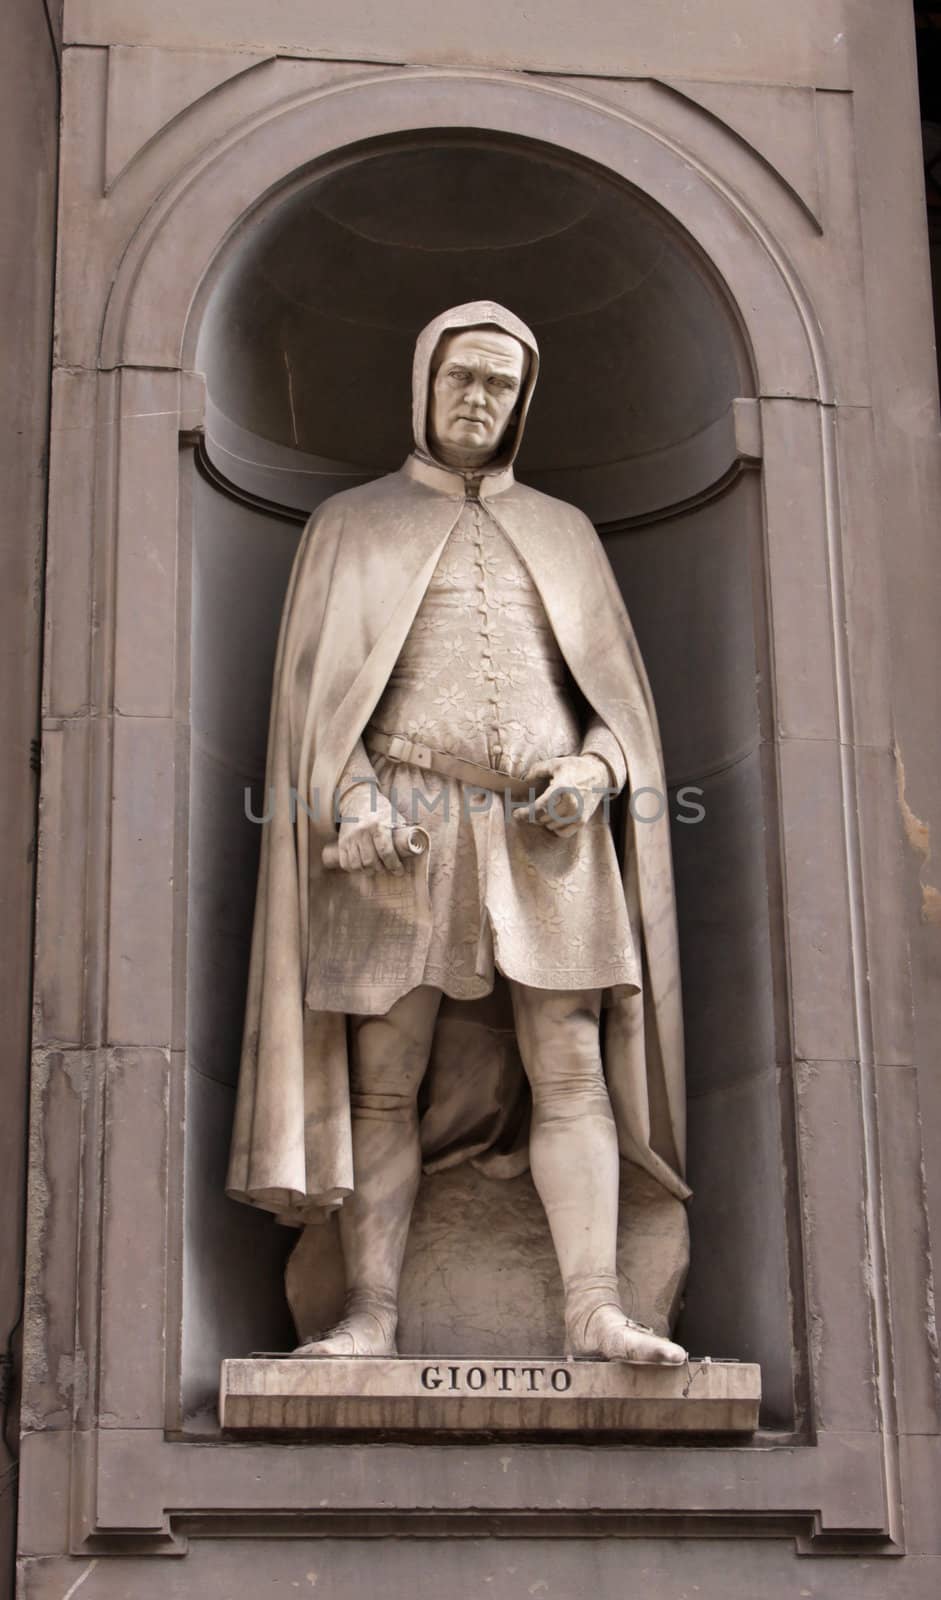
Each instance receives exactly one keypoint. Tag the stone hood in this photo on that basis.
(475, 314)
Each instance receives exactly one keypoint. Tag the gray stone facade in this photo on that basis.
(727, 203)
(28, 123)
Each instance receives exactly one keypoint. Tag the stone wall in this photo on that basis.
(778, 148)
(28, 115)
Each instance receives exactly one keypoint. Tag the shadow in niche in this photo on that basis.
(306, 345)
(233, 1256)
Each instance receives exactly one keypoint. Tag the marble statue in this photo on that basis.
(458, 697)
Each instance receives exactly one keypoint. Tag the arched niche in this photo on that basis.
(333, 282)
(643, 418)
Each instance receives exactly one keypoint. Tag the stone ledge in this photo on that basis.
(270, 1394)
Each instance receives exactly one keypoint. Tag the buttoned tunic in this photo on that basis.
(481, 677)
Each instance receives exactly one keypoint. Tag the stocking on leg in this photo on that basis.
(389, 1056)
(575, 1166)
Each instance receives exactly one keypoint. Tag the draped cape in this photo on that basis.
(362, 569)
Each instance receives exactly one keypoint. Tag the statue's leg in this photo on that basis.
(575, 1167)
(388, 1059)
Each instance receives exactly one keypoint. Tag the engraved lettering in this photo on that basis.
(475, 1377)
(431, 1378)
(532, 1374)
(454, 1378)
(561, 1380)
(503, 1375)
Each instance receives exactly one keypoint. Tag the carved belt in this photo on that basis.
(396, 748)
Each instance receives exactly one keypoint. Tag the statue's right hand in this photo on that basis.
(365, 842)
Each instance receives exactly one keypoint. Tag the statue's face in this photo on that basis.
(473, 394)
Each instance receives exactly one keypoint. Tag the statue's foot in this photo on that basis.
(606, 1334)
(362, 1333)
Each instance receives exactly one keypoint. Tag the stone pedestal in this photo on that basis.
(274, 1394)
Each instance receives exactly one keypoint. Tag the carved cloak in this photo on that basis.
(361, 571)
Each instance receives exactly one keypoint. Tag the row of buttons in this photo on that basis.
(483, 610)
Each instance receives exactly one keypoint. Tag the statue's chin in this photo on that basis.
(466, 457)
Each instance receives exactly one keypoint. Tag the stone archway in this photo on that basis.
(140, 267)
(630, 318)
(168, 263)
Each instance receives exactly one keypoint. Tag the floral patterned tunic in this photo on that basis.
(481, 677)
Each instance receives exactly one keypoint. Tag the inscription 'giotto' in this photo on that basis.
(504, 1379)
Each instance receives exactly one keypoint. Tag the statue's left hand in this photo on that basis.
(577, 785)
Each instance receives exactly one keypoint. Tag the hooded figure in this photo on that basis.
(411, 599)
